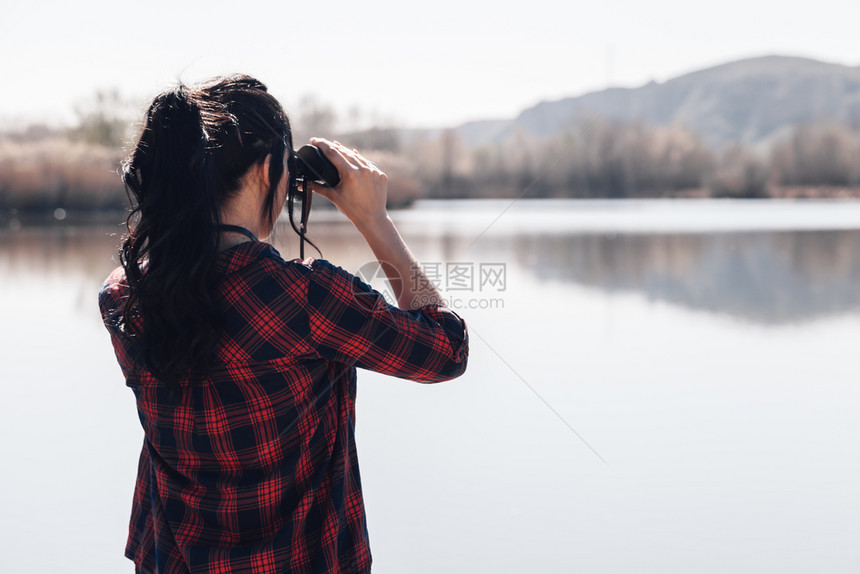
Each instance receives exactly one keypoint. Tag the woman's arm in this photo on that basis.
(361, 196)
(405, 275)
(348, 321)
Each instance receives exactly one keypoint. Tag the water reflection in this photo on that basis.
(767, 277)
(764, 277)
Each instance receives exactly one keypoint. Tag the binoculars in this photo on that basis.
(309, 164)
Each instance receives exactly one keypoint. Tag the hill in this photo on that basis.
(751, 101)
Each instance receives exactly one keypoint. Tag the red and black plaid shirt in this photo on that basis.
(255, 469)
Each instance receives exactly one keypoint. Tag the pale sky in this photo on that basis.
(422, 65)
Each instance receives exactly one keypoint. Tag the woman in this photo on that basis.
(242, 363)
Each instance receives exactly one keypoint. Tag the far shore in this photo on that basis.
(787, 192)
(13, 219)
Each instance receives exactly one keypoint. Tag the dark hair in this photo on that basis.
(196, 145)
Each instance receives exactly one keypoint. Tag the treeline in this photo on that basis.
(76, 169)
(51, 170)
(613, 159)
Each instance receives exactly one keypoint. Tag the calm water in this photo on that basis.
(653, 387)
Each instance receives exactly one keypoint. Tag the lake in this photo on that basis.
(654, 386)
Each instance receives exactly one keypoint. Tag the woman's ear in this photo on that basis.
(265, 168)
(258, 174)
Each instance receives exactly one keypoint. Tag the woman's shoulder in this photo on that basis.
(113, 292)
(264, 255)
(256, 254)
(323, 273)
(260, 268)
(115, 281)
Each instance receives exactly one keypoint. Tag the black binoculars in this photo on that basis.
(308, 164)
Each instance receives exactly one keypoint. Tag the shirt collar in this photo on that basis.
(238, 256)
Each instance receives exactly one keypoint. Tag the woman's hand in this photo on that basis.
(363, 189)
(361, 196)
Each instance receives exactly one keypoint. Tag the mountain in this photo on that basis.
(752, 101)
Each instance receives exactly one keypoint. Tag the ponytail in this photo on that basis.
(174, 195)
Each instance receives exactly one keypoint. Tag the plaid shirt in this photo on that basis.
(255, 469)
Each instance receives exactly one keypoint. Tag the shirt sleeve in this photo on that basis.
(352, 323)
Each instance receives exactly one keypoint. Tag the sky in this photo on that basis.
(406, 64)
